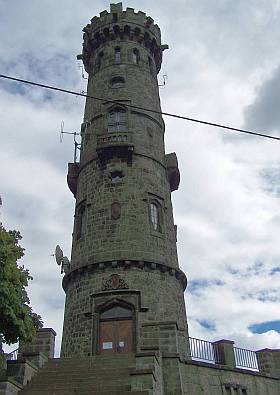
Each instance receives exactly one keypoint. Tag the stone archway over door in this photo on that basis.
(116, 331)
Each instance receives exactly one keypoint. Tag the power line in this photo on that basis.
(217, 125)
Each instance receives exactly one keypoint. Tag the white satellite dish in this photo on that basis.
(58, 255)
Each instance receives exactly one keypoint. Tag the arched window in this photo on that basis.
(117, 55)
(81, 221)
(155, 216)
(135, 56)
(116, 312)
(117, 121)
(117, 82)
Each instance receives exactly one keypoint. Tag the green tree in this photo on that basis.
(17, 320)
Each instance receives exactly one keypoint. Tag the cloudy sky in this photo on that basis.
(223, 66)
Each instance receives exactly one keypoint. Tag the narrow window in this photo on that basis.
(154, 216)
(117, 121)
(151, 66)
(117, 55)
(99, 61)
(135, 56)
(81, 221)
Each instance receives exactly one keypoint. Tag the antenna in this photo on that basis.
(165, 78)
(77, 145)
(82, 71)
(61, 131)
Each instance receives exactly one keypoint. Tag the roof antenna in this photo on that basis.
(165, 78)
(77, 145)
(82, 71)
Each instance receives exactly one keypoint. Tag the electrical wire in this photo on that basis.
(217, 125)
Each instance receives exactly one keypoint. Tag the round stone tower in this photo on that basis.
(124, 289)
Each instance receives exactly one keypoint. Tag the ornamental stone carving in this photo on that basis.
(115, 210)
(114, 282)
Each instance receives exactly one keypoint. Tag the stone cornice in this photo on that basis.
(127, 265)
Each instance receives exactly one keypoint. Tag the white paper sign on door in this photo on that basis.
(107, 345)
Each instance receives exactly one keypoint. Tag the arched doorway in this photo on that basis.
(116, 330)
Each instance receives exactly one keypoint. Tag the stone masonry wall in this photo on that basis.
(157, 298)
(202, 380)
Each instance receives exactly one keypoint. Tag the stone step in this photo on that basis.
(74, 364)
(80, 382)
(92, 369)
(85, 390)
(86, 376)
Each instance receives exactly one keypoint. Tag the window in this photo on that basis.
(154, 216)
(135, 56)
(117, 121)
(116, 312)
(99, 61)
(81, 221)
(116, 176)
(117, 82)
(117, 55)
(151, 66)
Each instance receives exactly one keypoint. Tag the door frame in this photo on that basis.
(108, 305)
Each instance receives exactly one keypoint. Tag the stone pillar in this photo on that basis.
(43, 342)
(3, 366)
(269, 362)
(224, 353)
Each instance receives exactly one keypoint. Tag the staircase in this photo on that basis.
(101, 375)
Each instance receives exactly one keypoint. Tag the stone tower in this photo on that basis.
(124, 289)
(125, 329)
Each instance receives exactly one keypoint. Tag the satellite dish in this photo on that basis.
(58, 255)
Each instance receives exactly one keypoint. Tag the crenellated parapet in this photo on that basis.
(121, 25)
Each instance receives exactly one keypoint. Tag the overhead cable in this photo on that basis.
(217, 125)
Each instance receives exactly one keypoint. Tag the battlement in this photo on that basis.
(118, 15)
(122, 24)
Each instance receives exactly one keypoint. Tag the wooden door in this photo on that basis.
(115, 336)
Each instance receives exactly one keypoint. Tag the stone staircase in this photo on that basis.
(100, 375)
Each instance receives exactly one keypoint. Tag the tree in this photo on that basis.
(17, 320)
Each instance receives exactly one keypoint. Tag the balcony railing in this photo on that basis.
(12, 356)
(245, 358)
(204, 350)
(114, 139)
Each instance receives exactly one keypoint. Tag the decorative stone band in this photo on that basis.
(125, 264)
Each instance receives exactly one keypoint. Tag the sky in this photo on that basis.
(223, 66)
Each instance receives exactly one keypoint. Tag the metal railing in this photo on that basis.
(203, 350)
(12, 356)
(245, 358)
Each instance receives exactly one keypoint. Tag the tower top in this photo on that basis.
(122, 24)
